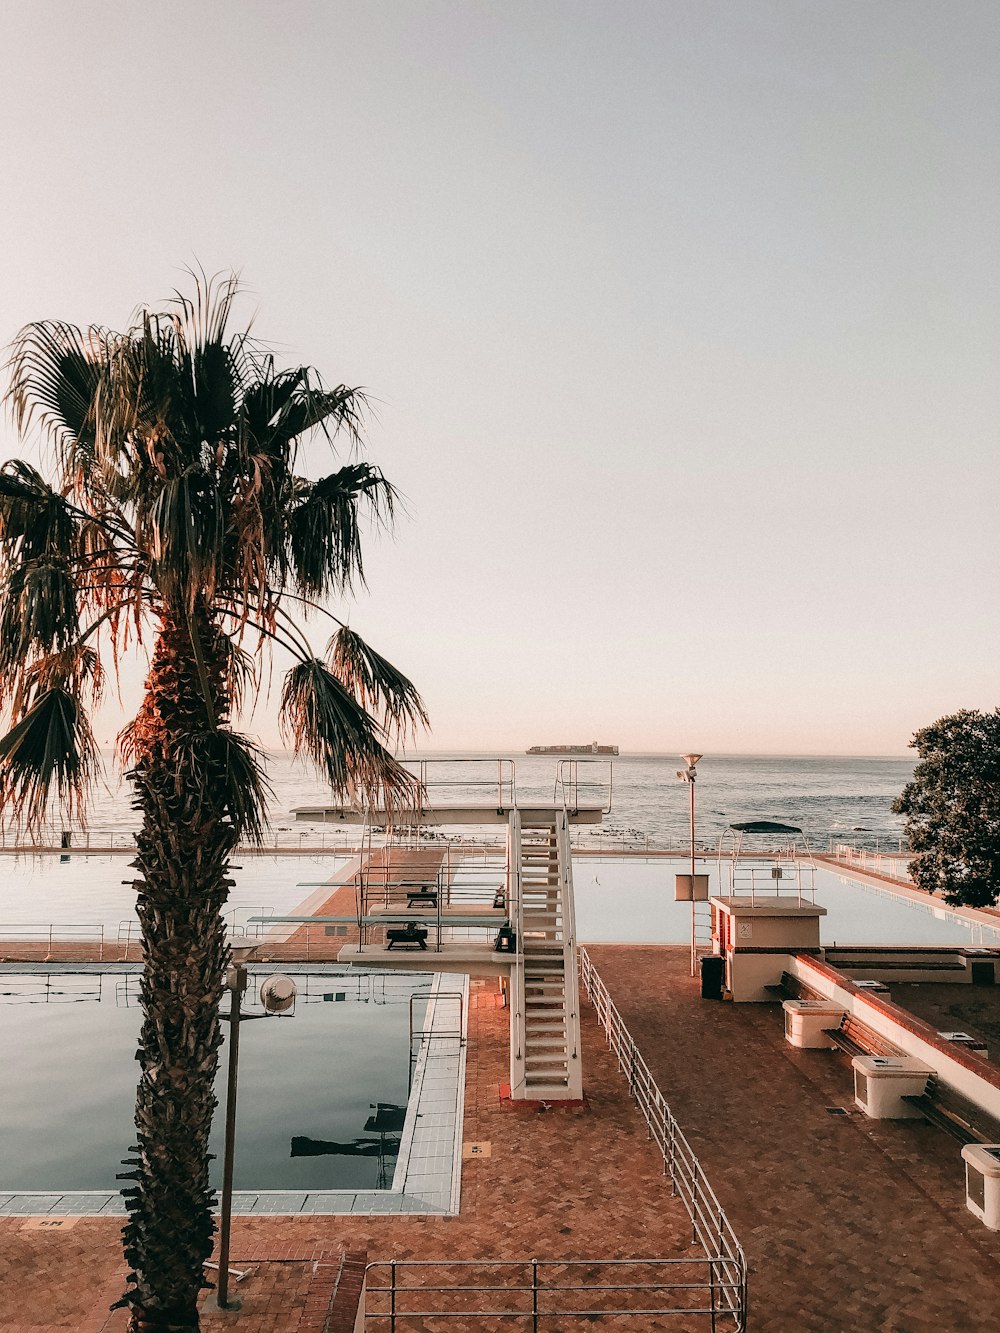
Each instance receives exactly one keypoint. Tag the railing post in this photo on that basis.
(534, 1295)
(711, 1288)
(392, 1296)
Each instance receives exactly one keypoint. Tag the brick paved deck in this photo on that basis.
(848, 1224)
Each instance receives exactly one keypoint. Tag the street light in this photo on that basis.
(277, 995)
(689, 775)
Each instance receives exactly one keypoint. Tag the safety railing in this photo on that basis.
(435, 1031)
(893, 865)
(786, 876)
(97, 840)
(569, 785)
(495, 779)
(710, 1228)
(533, 1293)
(54, 937)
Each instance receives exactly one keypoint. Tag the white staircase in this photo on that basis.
(545, 1059)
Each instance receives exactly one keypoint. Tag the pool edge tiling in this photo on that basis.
(428, 1167)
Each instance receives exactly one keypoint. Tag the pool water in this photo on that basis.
(314, 1078)
(88, 889)
(617, 900)
(632, 902)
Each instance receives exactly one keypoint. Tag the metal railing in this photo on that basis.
(893, 865)
(54, 936)
(97, 839)
(530, 1293)
(568, 784)
(499, 780)
(428, 998)
(710, 1227)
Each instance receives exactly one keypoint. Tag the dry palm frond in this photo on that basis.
(33, 513)
(77, 670)
(233, 765)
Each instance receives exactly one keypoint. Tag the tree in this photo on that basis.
(952, 808)
(178, 520)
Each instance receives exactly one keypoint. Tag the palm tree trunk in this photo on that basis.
(183, 854)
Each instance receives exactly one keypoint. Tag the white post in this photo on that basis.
(689, 775)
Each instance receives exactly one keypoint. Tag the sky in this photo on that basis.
(680, 318)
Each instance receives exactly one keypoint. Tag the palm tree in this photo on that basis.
(177, 520)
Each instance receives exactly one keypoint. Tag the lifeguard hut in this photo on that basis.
(765, 909)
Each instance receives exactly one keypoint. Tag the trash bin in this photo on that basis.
(66, 838)
(713, 971)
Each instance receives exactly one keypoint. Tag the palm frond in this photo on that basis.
(38, 612)
(55, 373)
(241, 674)
(375, 682)
(33, 513)
(51, 751)
(324, 535)
(77, 670)
(233, 764)
(187, 531)
(323, 720)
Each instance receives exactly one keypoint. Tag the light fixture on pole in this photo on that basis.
(277, 996)
(693, 886)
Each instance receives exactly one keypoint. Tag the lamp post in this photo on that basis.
(688, 775)
(277, 995)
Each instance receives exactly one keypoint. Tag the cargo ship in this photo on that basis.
(592, 748)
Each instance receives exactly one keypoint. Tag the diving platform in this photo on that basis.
(439, 816)
(501, 909)
(464, 957)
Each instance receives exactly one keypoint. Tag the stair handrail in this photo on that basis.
(568, 782)
(516, 915)
(564, 863)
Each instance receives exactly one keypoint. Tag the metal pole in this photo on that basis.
(694, 947)
(239, 976)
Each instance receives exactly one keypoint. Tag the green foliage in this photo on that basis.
(952, 808)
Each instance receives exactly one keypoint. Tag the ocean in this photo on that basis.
(833, 799)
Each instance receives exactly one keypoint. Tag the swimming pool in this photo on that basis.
(88, 889)
(632, 902)
(618, 900)
(309, 1084)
